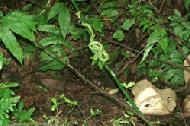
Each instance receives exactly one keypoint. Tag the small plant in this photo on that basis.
(10, 105)
(93, 113)
(126, 119)
(61, 98)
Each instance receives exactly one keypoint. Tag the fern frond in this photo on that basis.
(52, 40)
(49, 28)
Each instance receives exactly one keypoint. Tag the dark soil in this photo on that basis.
(37, 88)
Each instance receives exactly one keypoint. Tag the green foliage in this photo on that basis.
(181, 25)
(55, 104)
(48, 62)
(14, 23)
(53, 56)
(23, 115)
(95, 112)
(127, 24)
(63, 17)
(8, 105)
(56, 101)
(158, 36)
(119, 35)
(97, 25)
(186, 3)
(126, 119)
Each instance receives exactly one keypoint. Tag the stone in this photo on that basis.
(153, 101)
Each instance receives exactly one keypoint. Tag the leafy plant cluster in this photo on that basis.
(11, 106)
(53, 30)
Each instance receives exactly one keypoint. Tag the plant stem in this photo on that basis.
(126, 94)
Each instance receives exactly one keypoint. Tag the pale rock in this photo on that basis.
(186, 73)
(186, 106)
(153, 101)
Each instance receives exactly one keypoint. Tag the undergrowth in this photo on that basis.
(161, 42)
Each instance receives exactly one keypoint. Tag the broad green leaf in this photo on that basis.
(109, 5)
(128, 23)
(64, 20)
(55, 10)
(23, 31)
(119, 35)
(52, 65)
(11, 43)
(97, 25)
(21, 24)
(110, 12)
(17, 16)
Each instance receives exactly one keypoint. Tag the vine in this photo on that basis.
(101, 57)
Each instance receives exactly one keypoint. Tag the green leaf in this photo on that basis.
(64, 20)
(67, 100)
(75, 32)
(11, 43)
(52, 40)
(109, 5)
(128, 23)
(153, 38)
(51, 65)
(21, 24)
(8, 85)
(55, 10)
(25, 115)
(186, 3)
(23, 31)
(164, 44)
(110, 12)
(97, 25)
(95, 112)
(119, 35)
(55, 104)
(174, 76)
(49, 28)
(48, 62)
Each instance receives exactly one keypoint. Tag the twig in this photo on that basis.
(161, 6)
(126, 64)
(78, 107)
(37, 4)
(87, 82)
(123, 46)
(90, 84)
